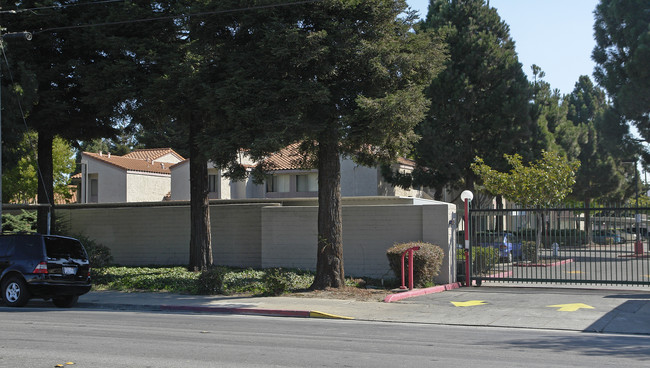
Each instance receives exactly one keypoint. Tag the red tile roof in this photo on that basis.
(152, 154)
(132, 164)
(288, 158)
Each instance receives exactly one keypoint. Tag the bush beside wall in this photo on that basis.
(426, 262)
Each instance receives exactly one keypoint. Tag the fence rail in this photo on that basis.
(597, 245)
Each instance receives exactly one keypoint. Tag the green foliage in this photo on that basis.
(479, 102)
(215, 280)
(20, 181)
(603, 142)
(529, 249)
(621, 54)
(483, 259)
(99, 255)
(211, 281)
(275, 282)
(171, 279)
(426, 261)
(545, 182)
(25, 222)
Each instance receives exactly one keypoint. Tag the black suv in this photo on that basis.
(42, 266)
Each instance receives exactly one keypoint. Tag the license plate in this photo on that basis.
(69, 270)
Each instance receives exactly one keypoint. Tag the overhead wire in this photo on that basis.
(198, 14)
(14, 11)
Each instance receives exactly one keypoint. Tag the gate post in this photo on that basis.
(467, 196)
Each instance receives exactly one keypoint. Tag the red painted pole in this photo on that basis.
(403, 284)
(467, 281)
(410, 252)
(411, 269)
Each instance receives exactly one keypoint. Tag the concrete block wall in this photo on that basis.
(267, 233)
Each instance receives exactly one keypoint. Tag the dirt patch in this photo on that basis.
(345, 293)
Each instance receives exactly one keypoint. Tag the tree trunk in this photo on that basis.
(329, 263)
(588, 221)
(437, 195)
(45, 183)
(200, 237)
(500, 215)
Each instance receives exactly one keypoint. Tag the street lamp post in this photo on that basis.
(466, 196)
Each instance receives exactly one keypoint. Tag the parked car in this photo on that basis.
(508, 245)
(607, 237)
(42, 266)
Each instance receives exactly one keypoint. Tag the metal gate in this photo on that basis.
(603, 245)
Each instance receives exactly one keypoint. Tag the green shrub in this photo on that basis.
(483, 259)
(275, 282)
(99, 255)
(25, 222)
(426, 262)
(530, 251)
(211, 281)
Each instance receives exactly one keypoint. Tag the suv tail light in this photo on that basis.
(503, 247)
(41, 268)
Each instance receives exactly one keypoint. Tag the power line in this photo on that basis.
(13, 11)
(259, 7)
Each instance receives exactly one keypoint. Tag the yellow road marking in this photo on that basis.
(570, 307)
(469, 303)
(317, 314)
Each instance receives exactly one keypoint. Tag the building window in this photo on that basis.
(212, 184)
(278, 183)
(307, 182)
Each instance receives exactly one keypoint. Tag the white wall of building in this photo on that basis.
(180, 181)
(111, 181)
(146, 187)
(357, 180)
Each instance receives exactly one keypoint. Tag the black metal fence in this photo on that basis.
(602, 245)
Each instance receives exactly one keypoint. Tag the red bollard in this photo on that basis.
(638, 248)
(410, 252)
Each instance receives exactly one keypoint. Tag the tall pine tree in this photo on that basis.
(479, 103)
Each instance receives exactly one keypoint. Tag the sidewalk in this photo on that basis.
(591, 310)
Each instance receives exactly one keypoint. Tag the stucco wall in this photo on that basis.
(268, 234)
(149, 187)
(357, 180)
(111, 181)
(180, 181)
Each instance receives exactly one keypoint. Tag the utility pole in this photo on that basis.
(28, 37)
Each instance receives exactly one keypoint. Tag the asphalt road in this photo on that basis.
(43, 337)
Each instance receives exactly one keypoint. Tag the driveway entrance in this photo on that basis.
(605, 245)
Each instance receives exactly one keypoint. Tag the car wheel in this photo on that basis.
(65, 301)
(14, 292)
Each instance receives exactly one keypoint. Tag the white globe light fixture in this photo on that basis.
(467, 195)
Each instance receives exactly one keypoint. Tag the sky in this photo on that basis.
(556, 35)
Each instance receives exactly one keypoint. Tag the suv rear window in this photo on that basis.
(64, 248)
(21, 246)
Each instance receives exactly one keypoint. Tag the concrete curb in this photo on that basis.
(417, 292)
(253, 311)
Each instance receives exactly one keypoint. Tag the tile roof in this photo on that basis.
(132, 164)
(406, 161)
(288, 158)
(152, 154)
